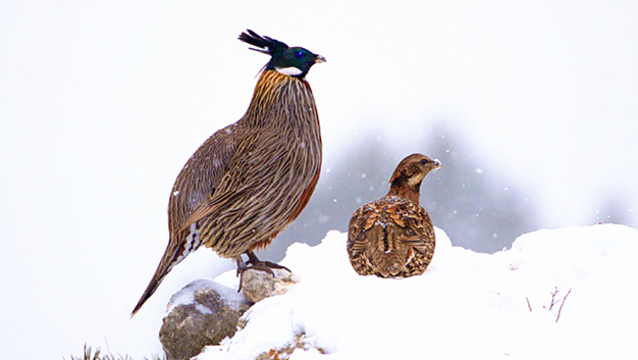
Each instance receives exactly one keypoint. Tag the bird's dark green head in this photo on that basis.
(292, 61)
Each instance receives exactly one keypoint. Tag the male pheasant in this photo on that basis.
(393, 236)
(251, 179)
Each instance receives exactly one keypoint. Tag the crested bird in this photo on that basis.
(249, 180)
(393, 236)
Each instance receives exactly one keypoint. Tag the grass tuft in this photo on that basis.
(90, 354)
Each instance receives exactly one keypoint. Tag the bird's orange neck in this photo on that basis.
(280, 94)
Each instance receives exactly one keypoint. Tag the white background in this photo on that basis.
(102, 103)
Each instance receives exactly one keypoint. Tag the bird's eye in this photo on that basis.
(423, 161)
(300, 54)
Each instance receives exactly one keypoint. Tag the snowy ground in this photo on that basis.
(466, 305)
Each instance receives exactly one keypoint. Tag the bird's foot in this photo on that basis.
(266, 266)
(255, 264)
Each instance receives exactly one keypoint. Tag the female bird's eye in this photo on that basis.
(300, 54)
(423, 162)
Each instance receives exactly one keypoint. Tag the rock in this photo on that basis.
(205, 312)
(258, 285)
(202, 313)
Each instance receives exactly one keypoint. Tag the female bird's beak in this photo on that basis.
(437, 163)
(319, 59)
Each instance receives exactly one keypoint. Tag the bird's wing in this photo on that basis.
(415, 228)
(199, 179)
(230, 185)
(359, 227)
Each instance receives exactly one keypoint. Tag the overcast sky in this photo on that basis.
(101, 104)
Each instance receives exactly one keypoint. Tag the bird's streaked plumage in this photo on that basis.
(251, 179)
(393, 236)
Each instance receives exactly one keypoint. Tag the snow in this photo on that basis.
(466, 305)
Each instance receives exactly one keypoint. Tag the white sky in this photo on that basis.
(101, 104)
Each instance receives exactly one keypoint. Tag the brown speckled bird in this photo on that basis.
(251, 179)
(393, 236)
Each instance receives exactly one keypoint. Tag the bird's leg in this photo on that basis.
(241, 267)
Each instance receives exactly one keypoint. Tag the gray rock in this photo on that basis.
(258, 285)
(202, 313)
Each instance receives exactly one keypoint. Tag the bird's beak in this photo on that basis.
(437, 163)
(320, 59)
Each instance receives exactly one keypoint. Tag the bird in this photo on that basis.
(393, 237)
(249, 180)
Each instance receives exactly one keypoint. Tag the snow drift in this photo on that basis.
(560, 294)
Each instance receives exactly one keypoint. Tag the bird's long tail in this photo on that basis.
(172, 256)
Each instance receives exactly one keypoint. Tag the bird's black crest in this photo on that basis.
(263, 42)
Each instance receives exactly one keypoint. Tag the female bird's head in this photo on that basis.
(411, 170)
(292, 61)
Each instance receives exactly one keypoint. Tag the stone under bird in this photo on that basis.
(251, 179)
(393, 237)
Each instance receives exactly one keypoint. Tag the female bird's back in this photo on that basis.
(393, 236)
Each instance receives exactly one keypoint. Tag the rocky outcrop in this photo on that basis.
(205, 312)
(202, 313)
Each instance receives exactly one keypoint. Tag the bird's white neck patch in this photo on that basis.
(415, 180)
(290, 71)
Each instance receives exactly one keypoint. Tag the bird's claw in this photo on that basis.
(255, 264)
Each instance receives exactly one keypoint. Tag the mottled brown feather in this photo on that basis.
(393, 236)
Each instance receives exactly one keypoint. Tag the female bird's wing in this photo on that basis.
(360, 226)
(414, 227)
(361, 235)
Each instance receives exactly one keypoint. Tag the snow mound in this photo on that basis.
(558, 294)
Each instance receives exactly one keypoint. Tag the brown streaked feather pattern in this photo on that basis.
(393, 236)
(281, 166)
(249, 180)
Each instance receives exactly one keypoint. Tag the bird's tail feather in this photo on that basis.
(169, 260)
(262, 42)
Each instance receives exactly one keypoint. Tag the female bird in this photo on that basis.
(251, 179)
(393, 236)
